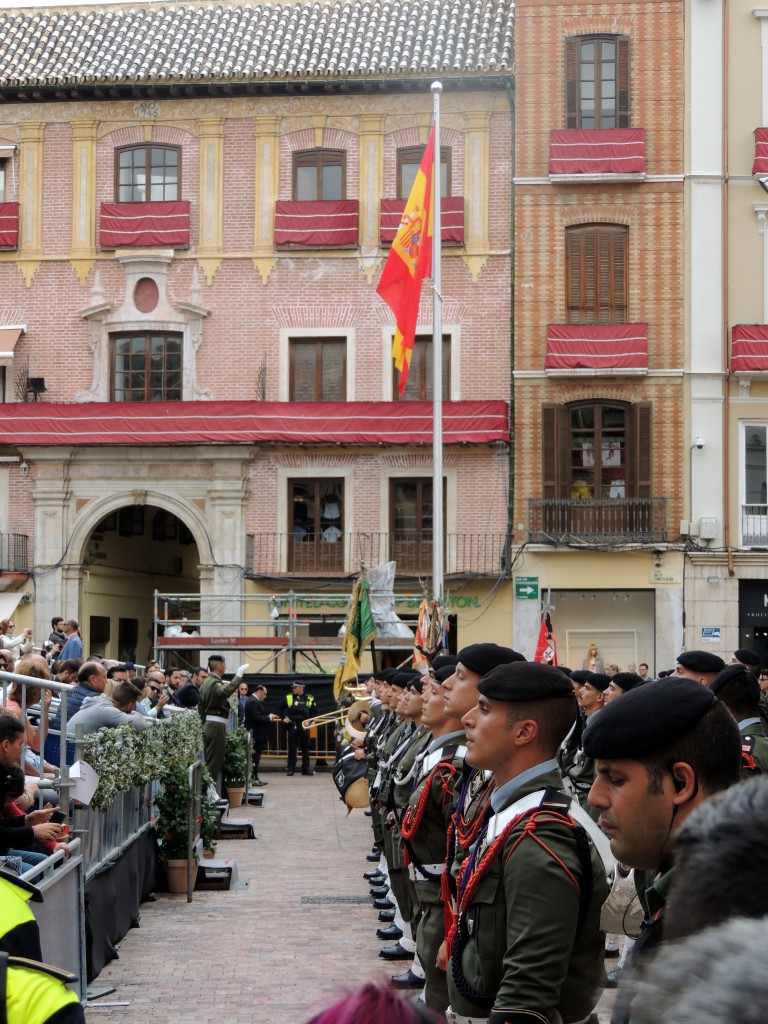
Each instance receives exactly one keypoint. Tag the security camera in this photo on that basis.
(699, 442)
(762, 180)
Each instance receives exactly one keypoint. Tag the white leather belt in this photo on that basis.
(459, 1018)
(433, 869)
(216, 718)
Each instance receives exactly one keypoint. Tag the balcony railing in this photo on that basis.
(475, 554)
(13, 552)
(597, 521)
(754, 526)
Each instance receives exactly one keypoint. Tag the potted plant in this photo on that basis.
(234, 769)
(172, 826)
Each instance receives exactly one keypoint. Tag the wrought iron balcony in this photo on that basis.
(13, 552)
(597, 521)
(754, 526)
(283, 553)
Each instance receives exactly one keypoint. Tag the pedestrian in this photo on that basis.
(258, 721)
(296, 708)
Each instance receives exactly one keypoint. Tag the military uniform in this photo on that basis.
(527, 943)
(754, 747)
(213, 708)
(424, 829)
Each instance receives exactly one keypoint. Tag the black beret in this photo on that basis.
(747, 657)
(599, 680)
(525, 681)
(627, 680)
(400, 679)
(213, 657)
(416, 684)
(664, 673)
(701, 661)
(580, 675)
(481, 658)
(384, 675)
(441, 674)
(733, 672)
(565, 670)
(442, 660)
(646, 718)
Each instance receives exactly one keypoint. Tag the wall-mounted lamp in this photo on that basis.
(24, 468)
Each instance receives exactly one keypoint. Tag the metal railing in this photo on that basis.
(597, 521)
(475, 554)
(754, 525)
(13, 552)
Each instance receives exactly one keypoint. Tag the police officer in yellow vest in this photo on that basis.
(19, 932)
(35, 993)
(296, 709)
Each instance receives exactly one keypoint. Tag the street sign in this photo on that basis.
(527, 588)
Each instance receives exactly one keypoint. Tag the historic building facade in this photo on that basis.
(196, 202)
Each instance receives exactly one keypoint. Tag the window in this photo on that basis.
(146, 367)
(319, 174)
(754, 513)
(410, 523)
(597, 82)
(316, 511)
(130, 521)
(408, 163)
(148, 174)
(418, 387)
(596, 450)
(318, 370)
(596, 274)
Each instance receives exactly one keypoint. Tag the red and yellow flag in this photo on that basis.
(409, 262)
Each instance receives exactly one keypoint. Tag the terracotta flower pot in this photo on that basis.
(176, 875)
(235, 795)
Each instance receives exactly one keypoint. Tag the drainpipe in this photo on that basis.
(511, 485)
(726, 306)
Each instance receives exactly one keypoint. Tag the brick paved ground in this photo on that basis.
(302, 931)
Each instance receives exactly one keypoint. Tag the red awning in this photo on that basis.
(125, 225)
(749, 347)
(451, 222)
(323, 224)
(597, 347)
(597, 151)
(9, 225)
(760, 166)
(163, 423)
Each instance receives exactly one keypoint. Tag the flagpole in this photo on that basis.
(437, 362)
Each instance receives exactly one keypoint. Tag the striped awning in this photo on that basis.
(127, 225)
(576, 151)
(451, 219)
(9, 225)
(324, 224)
(749, 347)
(597, 347)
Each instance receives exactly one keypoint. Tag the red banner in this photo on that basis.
(597, 346)
(597, 151)
(324, 224)
(126, 225)
(451, 219)
(9, 225)
(749, 347)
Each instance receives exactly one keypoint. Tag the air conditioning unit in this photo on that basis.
(707, 528)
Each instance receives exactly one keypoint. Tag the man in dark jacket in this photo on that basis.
(258, 722)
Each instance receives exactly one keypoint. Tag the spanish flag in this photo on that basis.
(409, 262)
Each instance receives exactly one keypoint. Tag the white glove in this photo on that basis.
(241, 671)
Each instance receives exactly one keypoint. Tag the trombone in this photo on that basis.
(349, 716)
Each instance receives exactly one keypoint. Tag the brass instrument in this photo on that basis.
(349, 716)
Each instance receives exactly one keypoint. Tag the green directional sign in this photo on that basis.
(527, 588)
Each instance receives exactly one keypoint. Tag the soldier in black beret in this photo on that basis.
(746, 656)
(702, 666)
(526, 943)
(739, 690)
(577, 768)
(622, 683)
(660, 751)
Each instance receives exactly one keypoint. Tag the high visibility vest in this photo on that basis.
(31, 992)
(309, 700)
(19, 933)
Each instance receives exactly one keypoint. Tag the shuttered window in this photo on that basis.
(596, 450)
(318, 369)
(596, 274)
(597, 82)
(319, 174)
(418, 387)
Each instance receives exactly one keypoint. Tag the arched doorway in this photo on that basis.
(132, 552)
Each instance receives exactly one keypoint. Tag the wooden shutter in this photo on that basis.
(622, 83)
(572, 82)
(638, 426)
(555, 451)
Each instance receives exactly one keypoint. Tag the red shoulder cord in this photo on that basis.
(462, 831)
(414, 816)
(467, 887)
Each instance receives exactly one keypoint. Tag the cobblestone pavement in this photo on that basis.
(300, 932)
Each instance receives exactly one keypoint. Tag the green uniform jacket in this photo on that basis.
(214, 696)
(758, 745)
(631, 998)
(524, 951)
